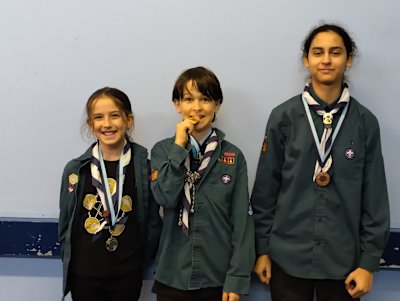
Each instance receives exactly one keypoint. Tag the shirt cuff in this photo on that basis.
(262, 246)
(237, 284)
(369, 262)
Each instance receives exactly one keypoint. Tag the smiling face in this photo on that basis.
(109, 123)
(327, 59)
(196, 106)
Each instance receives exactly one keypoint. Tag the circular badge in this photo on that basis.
(322, 179)
(226, 179)
(350, 153)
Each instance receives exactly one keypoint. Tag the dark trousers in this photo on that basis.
(288, 288)
(118, 288)
(168, 298)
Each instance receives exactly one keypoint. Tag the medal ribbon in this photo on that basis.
(324, 146)
(100, 180)
(191, 178)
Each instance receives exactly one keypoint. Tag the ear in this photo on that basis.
(305, 62)
(349, 62)
(130, 121)
(89, 123)
(177, 105)
(217, 106)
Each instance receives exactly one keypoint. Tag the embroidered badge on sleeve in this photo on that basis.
(264, 148)
(72, 180)
(154, 175)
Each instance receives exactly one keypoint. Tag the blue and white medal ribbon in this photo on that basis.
(100, 181)
(324, 146)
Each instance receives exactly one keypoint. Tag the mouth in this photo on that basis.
(109, 133)
(326, 70)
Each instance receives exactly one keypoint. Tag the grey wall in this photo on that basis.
(54, 54)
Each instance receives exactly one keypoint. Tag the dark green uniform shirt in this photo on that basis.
(219, 251)
(321, 232)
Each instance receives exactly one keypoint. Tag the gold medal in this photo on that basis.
(91, 224)
(112, 184)
(111, 244)
(118, 229)
(126, 203)
(89, 201)
(322, 179)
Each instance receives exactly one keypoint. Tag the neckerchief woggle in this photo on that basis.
(323, 155)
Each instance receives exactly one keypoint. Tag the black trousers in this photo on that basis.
(288, 288)
(168, 298)
(114, 288)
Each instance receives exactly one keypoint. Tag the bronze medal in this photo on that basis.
(322, 179)
(111, 244)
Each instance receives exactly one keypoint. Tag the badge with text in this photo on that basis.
(229, 154)
(227, 160)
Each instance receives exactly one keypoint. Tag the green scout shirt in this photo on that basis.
(219, 250)
(321, 232)
(70, 196)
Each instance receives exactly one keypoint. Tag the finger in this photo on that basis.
(224, 296)
(261, 275)
(268, 275)
(349, 282)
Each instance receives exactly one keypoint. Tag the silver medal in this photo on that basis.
(111, 244)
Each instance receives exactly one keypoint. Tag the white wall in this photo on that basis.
(54, 54)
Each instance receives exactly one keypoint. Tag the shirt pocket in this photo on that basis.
(348, 160)
(219, 183)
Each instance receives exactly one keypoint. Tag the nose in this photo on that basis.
(107, 122)
(326, 58)
(197, 105)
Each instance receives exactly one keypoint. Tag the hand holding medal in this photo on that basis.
(185, 128)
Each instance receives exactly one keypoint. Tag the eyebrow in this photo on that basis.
(100, 113)
(330, 48)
